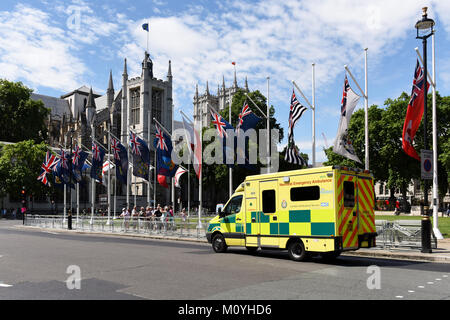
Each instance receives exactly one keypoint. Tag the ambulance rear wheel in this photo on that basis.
(296, 250)
(218, 243)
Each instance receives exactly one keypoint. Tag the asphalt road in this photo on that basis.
(34, 265)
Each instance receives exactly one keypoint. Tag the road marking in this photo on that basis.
(4, 285)
(411, 291)
(399, 297)
(438, 279)
(429, 282)
(50, 232)
(421, 287)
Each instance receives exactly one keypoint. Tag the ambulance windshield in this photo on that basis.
(233, 206)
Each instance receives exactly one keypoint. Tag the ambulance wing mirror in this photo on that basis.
(221, 213)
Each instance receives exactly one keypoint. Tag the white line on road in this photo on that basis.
(4, 285)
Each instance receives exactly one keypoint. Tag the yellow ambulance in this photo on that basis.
(324, 210)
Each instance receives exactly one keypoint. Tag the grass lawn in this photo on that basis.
(443, 222)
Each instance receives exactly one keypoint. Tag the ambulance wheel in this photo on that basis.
(296, 250)
(218, 243)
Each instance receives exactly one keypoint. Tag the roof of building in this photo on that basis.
(58, 107)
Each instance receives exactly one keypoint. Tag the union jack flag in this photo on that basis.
(76, 155)
(64, 160)
(49, 162)
(220, 123)
(95, 151)
(115, 147)
(161, 142)
(417, 84)
(135, 144)
(245, 112)
(344, 97)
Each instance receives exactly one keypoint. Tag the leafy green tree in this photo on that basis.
(22, 118)
(20, 165)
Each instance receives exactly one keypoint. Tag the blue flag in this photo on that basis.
(58, 178)
(145, 26)
(120, 160)
(163, 144)
(247, 120)
(97, 162)
(78, 159)
(221, 126)
(141, 156)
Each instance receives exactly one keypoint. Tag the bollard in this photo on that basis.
(69, 220)
(426, 232)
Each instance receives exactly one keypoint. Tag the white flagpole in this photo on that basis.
(436, 231)
(230, 170)
(366, 109)
(92, 184)
(65, 186)
(200, 184)
(173, 179)
(313, 116)
(268, 127)
(78, 202)
(109, 178)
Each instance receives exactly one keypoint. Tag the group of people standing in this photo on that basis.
(150, 218)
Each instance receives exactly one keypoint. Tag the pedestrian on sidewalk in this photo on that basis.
(69, 220)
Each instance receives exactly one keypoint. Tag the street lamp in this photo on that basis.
(425, 29)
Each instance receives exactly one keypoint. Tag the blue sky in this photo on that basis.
(57, 46)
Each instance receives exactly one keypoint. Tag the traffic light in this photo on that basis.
(24, 196)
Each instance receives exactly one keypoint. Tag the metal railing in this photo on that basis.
(401, 233)
(168, 227)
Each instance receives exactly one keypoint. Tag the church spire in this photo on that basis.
(90, 107)
(207, 88)
(169, 72)
(125, 72)
(246, 84)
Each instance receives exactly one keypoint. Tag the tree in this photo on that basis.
(20, 165)
(22, 118)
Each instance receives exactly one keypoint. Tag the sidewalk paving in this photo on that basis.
(441, 254)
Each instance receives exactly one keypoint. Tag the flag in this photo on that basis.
(293, 155)
(56, 173)
(233, 63)
(107, 165)
(120, 160)
(65, 159)
(162, 178)
(221, 126)
(296, 111)
(78, 158)
(141, 156)
(49, 161)
(414, 113)
(145, 26)
(178, 175)
(194, 143)
(163, 145)
(247, 120)
(97, 162)
(343, 145)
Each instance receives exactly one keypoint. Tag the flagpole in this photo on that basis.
(436, 231)
(173, 179)
(108, 222)
(65, 186)
(366, 109)
(230, 170)
(92, 182)
(200, 182)
(268, 128)
(78, 202)
(313, 115)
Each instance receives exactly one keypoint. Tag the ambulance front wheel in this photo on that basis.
(218, 243)
(296, 250)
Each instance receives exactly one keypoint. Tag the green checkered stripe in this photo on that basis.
(228, 223)
(299, 223)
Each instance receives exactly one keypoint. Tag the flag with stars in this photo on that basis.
(140, 156)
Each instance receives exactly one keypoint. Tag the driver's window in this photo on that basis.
(234, 206)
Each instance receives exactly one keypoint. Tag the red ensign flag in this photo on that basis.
(414, 113)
